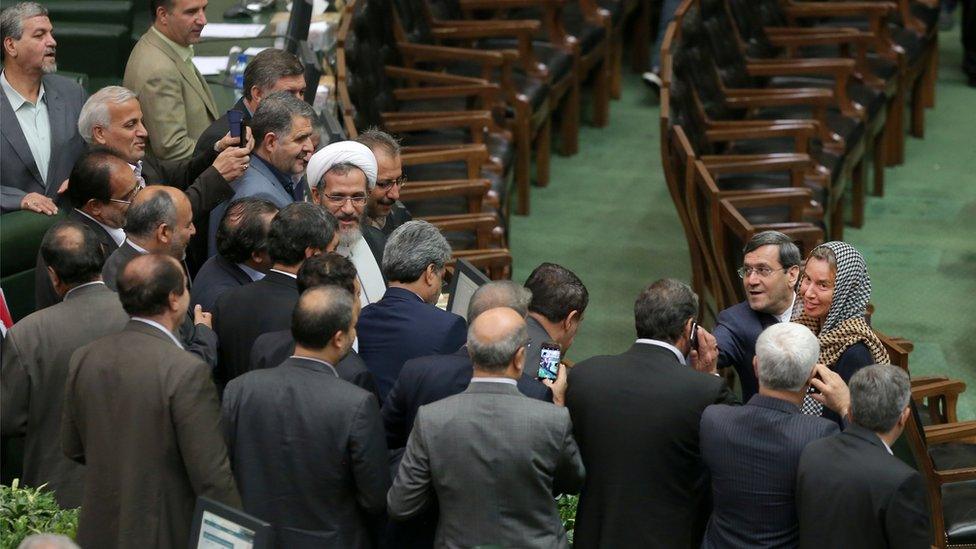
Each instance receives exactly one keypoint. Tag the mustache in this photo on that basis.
(385, 201)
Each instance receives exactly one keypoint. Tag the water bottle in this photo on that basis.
(237, 72)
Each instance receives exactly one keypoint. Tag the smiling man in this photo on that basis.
(770, 268)
(384, 211)
(38, 113)
(176, 100)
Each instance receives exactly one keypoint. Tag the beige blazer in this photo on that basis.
(177, 105)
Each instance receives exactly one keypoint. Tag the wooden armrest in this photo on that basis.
(463, 222)
(799, 129)
(746, 163)
(446, 53)
(769, 197)
(783, 97)
(830, 39)
(938, 388)
(476, 121)
(949, 432)
(440, 92)
(421, 190)
(437, 156)
(839, 9)
(956, 475)
(776, 67)
(507, 4)
(922, 380)
(478, 30)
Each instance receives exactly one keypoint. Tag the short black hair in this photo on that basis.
(662, 310)
(91, 177)
(275, 115)
(242, 231)
(268, 66)
(142, 218)
(320, 313)
(144, 290)
(556, 292)
(156, 4)
(789, 253)
(329, 269)
(73, 251)
(296, 227)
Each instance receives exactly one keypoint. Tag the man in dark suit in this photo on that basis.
(144, 474)
(559, 299)
(384, 211)
(36, 351)
(299, 231)
(272, 348)
(635, 416)
(405, 324)
(752, 451)
(242, 251)
(272, 70)
(492, 457)
(320, 493)
(38, 113)
(431, 378)
(851, 491)
(103, 186)
(159, 220)
(770, 268)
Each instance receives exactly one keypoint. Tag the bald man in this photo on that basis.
(160, 221)
(490, 448)
(144, 474)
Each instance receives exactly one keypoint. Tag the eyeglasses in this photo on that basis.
(129, 196)
(387, 184)
(763, 272)
(339, 200)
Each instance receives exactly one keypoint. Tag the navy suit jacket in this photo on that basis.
(736, 333)
(216, 276)
(400, 327)
(431, 378)
(752, 453)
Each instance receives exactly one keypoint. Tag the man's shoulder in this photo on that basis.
(62, 84)
(737, 314)
(148, 60)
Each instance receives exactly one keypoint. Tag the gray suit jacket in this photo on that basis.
(257, 182)
(494, 458)
(35, 359)
(18, 171)
(142, 415)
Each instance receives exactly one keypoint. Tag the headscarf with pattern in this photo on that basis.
(845, 324)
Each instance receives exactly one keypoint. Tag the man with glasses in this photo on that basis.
(341, 178)
(770, 268)
(384, 211)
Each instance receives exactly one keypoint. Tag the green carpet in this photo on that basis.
(608, 217)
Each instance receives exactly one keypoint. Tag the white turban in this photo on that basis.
(351, 152)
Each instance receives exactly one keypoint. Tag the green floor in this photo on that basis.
(607, 215)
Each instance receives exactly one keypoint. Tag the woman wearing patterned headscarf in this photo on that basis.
(835, 289)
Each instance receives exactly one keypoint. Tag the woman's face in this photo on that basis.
(817, 288)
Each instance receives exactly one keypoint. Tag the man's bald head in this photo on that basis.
(148, 283)
(499, 293)
(162, 219)
(495, 338)
(73, 252)
(322, 312)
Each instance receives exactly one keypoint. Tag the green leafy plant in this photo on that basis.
(567, 513)
(25, 511)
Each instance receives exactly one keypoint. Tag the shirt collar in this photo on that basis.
(136, 247)
(159, 326)
(788, 313)
(331, 367)
(285, 273)
(253, 273)
(185, 52)
(66, 294)
(282, 177)
(666, 345)
(507, 380)
(117, 234)
(16, 100)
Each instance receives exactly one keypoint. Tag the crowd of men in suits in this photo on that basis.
(289, 359)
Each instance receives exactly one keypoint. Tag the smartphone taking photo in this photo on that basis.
(549, 358)
(235, 119)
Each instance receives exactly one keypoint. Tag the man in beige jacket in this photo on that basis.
(175, 99)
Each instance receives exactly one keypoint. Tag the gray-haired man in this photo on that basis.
(752, 451)
(405, 324)
(493, 457)
(853, 483)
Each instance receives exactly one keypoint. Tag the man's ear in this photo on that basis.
(573, 316)
(174, 301)
(311, 252)
(270, 141)
(903, 418)
(8, 47)
(55, 279)
(93, 206)
(793, 275)
(338, 339)
(519, 359)
(755, 368)
(98, 134)
(430, 275)
(164, 233)
(314, 193)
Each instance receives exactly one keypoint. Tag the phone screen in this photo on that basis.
(549, 361)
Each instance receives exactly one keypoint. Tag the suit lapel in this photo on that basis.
(190, 74)
(15, 136)
(59, 131)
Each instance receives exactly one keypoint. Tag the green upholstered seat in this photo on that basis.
(20, 238)
(96, 49)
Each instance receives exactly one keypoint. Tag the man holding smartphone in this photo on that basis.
(559, 299)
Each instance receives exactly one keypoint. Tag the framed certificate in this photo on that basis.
(218, 526)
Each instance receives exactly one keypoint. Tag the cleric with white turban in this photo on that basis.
(349, 152)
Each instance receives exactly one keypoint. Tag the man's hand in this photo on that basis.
(834, 393)
(558, 386)
(63, 187)
(228, 141)
(39, 203)
(202, 317)
(233, 162)
(705, 359)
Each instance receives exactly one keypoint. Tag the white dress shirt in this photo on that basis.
(507, 380)
(159, 326)
(34, 122)
(787, 315)
(666, 345)
(331, 367)
(118, 235)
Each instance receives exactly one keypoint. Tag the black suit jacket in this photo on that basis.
(400, 327)
(399, 214)
(244, 313)
(851, 492)
(196, 338)
(736, 333)
(431, 378)
(213, 279)
(308, 452)
(44, 294)
(273, 348)
(752, 453)
(636, 417)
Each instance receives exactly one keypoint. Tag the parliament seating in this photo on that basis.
(20, 239)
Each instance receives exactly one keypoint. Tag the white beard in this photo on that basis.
(349, 236)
